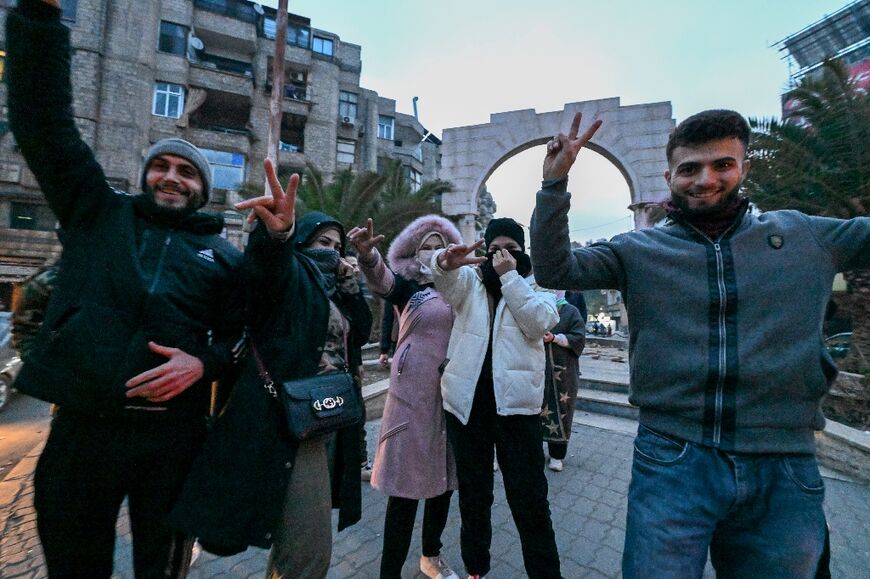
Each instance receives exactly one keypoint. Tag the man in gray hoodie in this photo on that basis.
(726, 355)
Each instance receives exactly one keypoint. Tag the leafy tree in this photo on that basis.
(817, 159)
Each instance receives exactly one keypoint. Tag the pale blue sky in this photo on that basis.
(466, 59)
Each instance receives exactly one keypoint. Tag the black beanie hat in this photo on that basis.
(507, 227)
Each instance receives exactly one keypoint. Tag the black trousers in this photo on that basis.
(517, 443)
(89, 465)
(558, 450)
(399, 525)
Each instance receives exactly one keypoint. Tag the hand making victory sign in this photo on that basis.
(364, 238)
(458, 255)
(562, 149)
(278, 210)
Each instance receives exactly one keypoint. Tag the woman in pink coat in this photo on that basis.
(413, 460)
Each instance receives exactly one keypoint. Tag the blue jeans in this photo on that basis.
(759, 515)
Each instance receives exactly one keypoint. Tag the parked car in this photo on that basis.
(8, 372)
(838, 344)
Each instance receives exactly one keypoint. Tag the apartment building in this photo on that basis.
(201, 70)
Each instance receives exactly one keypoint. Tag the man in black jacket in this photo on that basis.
(142, 319)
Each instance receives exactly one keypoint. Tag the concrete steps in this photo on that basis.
(604, 402)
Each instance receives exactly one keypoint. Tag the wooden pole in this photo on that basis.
(277, 100)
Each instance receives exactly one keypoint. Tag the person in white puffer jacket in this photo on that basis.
(492, 385)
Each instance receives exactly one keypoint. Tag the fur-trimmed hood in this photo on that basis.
(402, 257)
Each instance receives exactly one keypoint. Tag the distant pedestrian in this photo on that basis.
(564, 345)
(493, 387)
(414, 460)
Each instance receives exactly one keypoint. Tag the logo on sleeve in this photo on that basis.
(775, 241)
(206, 254)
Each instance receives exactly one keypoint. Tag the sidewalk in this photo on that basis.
(588, 501)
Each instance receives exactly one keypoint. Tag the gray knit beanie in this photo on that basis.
(181, 148)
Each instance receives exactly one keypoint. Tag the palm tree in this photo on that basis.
(817, 160)
(387, 198)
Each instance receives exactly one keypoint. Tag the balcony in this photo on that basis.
(221, 28)
(225, 113)
(222, 74)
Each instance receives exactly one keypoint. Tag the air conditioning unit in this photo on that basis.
(298, 76)
(194, 45)
(347, 121)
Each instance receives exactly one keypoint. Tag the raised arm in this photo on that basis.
(554, 263)
(41, 113)
(378, 275)
(270, 253)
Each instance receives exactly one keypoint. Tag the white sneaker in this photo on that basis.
(437, 568)
(555, 465)
(365, 471)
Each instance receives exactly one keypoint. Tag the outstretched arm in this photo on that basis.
(379, 277)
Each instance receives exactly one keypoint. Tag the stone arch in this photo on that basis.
(633, 138)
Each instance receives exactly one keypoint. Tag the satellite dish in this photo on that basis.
(258, 8)
(196, 43)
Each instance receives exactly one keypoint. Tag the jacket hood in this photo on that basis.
(311, 223)
(402, 256)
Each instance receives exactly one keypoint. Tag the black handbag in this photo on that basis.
(315, 405)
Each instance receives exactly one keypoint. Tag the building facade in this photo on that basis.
(843, 35)
(201, 70)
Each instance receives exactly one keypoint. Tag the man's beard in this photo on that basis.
(682, 202)
(193, 201)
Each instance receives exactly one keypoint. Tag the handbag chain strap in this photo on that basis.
(268, 383)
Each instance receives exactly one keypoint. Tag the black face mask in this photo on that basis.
(491, 279)
(327, 262)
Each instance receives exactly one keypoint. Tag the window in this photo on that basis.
(297, 35)
(68, 10)
(32, 216)
(322, 45)
(168, 100)
(292, 133)
(415, 178)
(227, 169)
(385, 127)
(347, 102)
(173, 38)
(243, 11)
(345, 152)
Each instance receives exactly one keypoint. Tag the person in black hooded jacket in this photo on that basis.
(253, 484)
(141, 320)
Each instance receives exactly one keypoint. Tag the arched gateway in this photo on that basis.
(633, 138)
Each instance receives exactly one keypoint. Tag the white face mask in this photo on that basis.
(424, 258)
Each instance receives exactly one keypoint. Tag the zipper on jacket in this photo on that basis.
(159, 268)
(723, 352)
(722, 330)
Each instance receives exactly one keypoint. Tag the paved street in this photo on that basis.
(588, 502)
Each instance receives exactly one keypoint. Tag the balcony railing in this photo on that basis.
(226, 64)
(237, 9)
